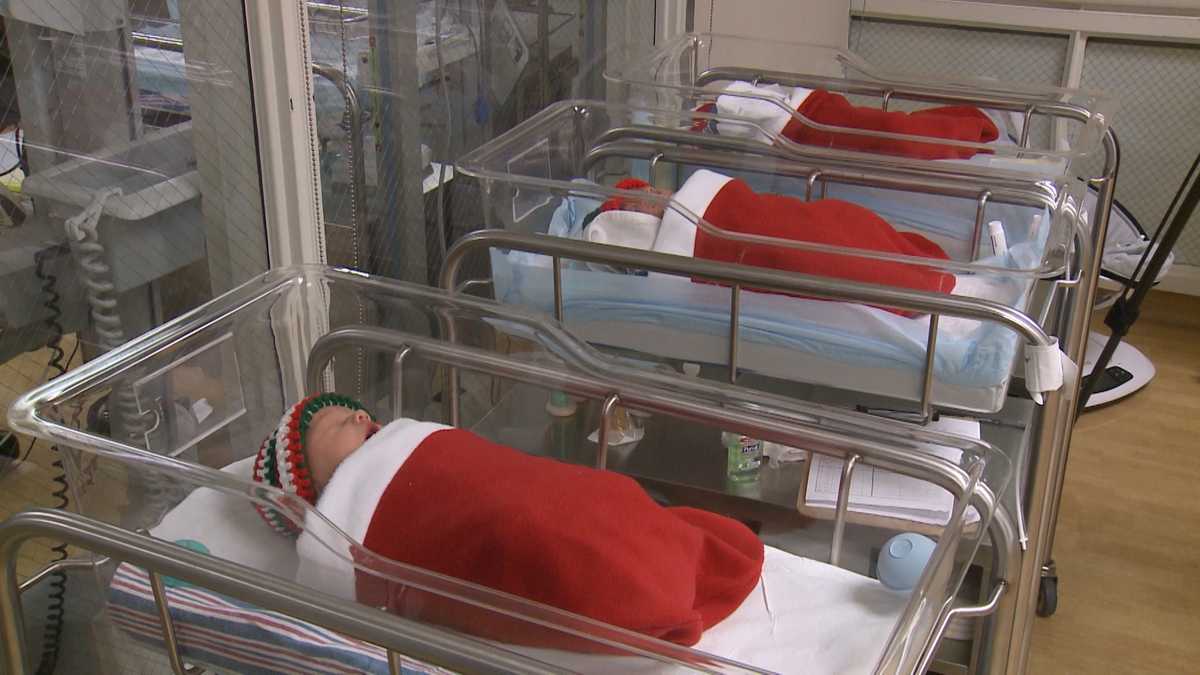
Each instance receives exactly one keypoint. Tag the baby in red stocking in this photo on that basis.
(784, 111)
(730, 205)
(445, 500)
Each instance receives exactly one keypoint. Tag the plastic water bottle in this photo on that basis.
(743, 457)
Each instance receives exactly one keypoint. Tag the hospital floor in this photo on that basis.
(1128, 548)
(1128, 542)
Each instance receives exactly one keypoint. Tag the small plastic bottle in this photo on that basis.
(560, 405)
(743, 457)
(563, 430)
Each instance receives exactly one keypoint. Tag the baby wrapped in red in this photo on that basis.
(730, 206)
(586, 541)
(822, 118)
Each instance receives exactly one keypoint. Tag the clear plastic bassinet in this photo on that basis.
(551, 173)
(1039, 126)
(203, 389)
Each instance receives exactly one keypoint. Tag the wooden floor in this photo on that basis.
(1128, 548)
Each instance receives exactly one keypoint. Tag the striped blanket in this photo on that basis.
(224, 634)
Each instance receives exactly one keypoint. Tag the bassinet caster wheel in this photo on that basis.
(1047, 602)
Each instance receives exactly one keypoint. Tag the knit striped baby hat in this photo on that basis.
(281, 460)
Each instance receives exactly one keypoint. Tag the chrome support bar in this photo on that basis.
(606, 412)
(742, 276)
(808, 185)
(750, 277)
(684, 147)
(980, 212)
(843, 506)
(735, 315)
(167, 623)
(64, 565)
(986, 609)
(1049, 470)
(930, 362)
(925, 93)
(753, 420)
(1024, 142)
(654, 160)
(785, 149)
(558, 289)
(397, 382)
(472, 284)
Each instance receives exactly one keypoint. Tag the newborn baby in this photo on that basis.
(785, 110)
(729, 204)
(445, 500)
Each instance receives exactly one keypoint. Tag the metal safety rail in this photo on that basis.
(666, 137)
(882, 443)
(163, 559)
(657, 144)
(742, 277)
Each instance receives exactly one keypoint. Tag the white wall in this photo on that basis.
(825, 22)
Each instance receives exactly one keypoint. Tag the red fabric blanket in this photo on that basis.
(739, 209)
(730, 204)
(959, 123)
(587, 541)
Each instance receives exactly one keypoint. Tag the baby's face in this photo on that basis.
(333, 434)
(653, 207)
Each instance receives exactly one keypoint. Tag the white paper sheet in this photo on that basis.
(884, 493)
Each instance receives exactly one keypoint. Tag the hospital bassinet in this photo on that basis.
(548, 174)
(1067, 128)
(1039, 125)
(205, 387)
(1041, 128)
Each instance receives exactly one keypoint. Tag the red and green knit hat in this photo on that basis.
(620, 202)
(281, 460)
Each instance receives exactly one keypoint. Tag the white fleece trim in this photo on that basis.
(348, 502)
(743, 99)
(677, 234)
(797, 99)
(630, 229)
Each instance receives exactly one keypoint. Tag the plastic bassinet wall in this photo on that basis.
(197, 456)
